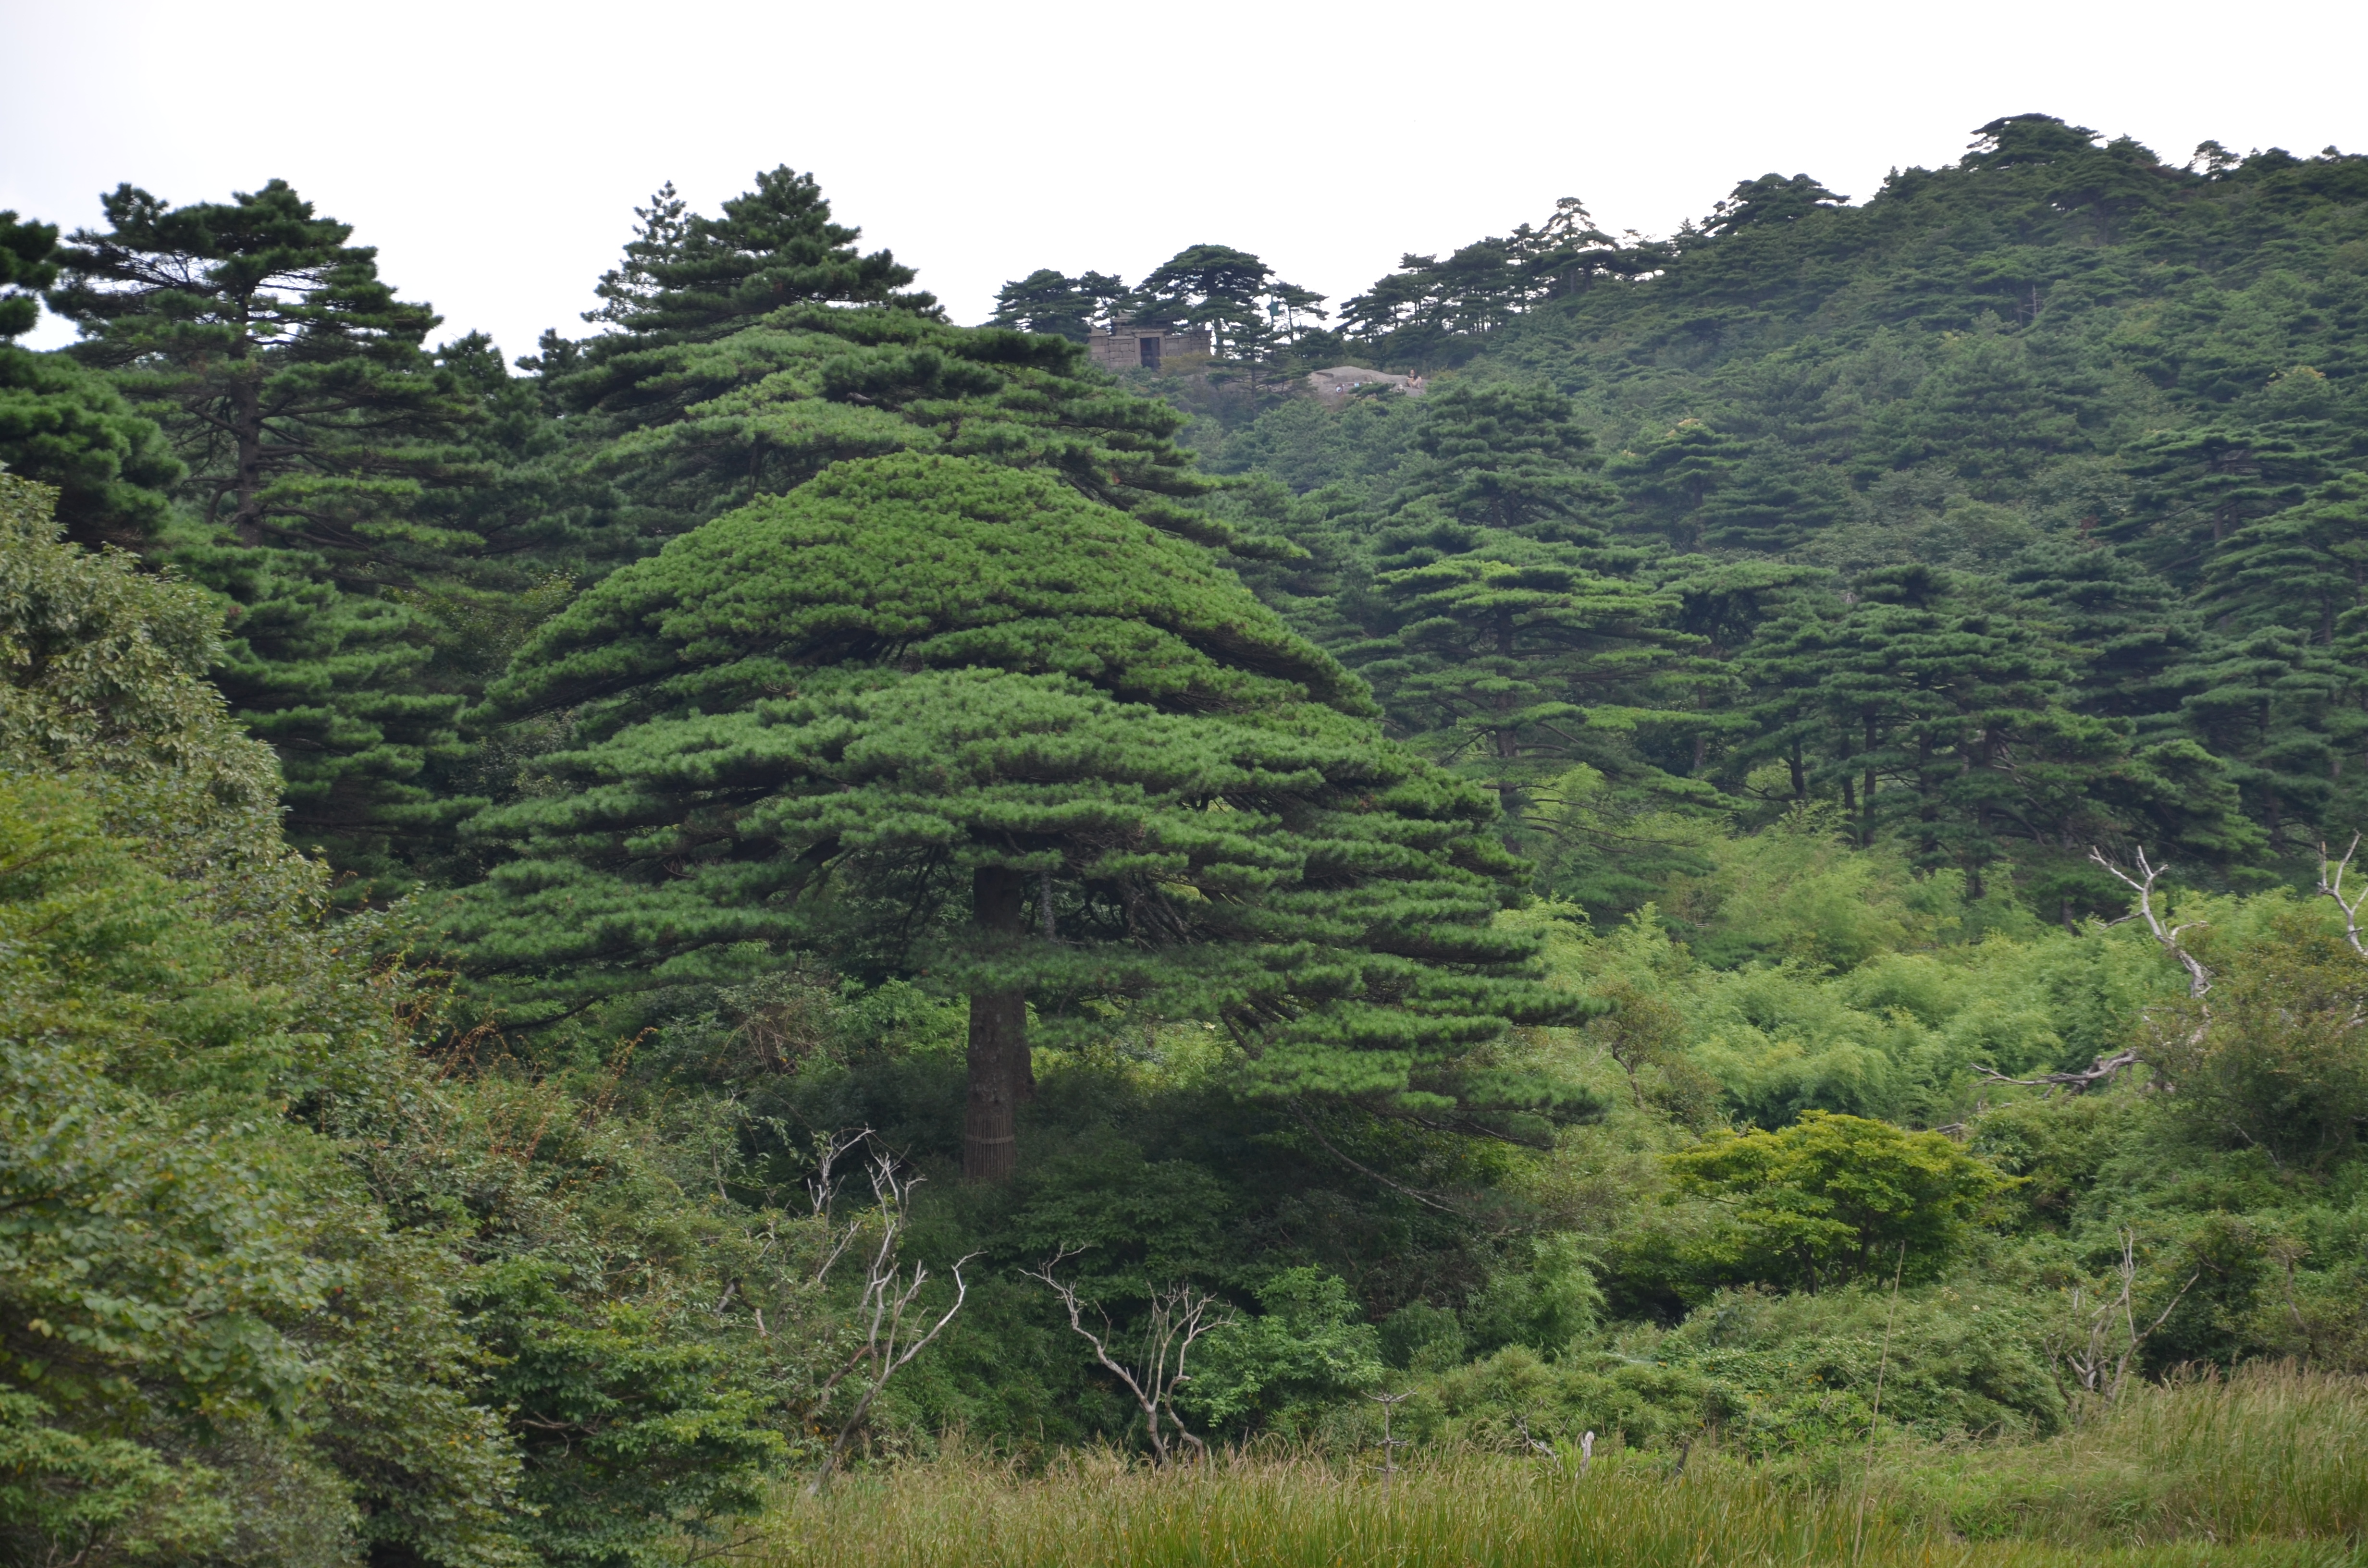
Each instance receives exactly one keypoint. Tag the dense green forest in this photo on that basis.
(785, 886)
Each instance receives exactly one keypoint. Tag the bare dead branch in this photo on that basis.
(1180, 1316)
(2333, 888)
(890, 1294)
(822, 1187)
(2103, 1070)
(829, 1149)
(2198, 979)
(2129, 1271)
(2099, 1366)
(844, 1238)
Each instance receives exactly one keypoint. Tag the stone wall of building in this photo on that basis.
(1130, 348)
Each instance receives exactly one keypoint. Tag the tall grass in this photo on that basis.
(2262, 1468)
(2271, 1451)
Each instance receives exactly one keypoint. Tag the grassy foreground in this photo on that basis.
(2269, 1467)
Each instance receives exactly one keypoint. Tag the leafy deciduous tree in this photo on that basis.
(1834, 1198)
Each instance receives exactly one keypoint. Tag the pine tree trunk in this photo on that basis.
(1507, 748)
(246, 404)
(1866, 796)
(1000, 1074)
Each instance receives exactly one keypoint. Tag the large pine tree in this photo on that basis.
(2304, 567)
(2124, 625)
(314, 423)
(2281, 711)
(2198, 488)
(939, 718)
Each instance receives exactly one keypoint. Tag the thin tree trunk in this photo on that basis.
(1866, 796)
(247, 401)
(1000, 1073)
(1507, 748)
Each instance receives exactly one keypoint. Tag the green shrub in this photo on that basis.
(1308, 1348)
(1834, 1198)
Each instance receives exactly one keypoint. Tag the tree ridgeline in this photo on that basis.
(2043, 469)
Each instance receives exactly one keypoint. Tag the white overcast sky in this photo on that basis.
(492, 150)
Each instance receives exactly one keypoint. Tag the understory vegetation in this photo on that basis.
(1724, 931)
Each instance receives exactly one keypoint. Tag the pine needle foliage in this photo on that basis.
(317, 429)
(63, 426)
(1504, 633)
(754, 348)
(685, 431)
(950, 720)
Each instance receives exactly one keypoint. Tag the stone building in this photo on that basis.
(1126, 347)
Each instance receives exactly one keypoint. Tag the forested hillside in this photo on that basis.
(1755, 863)
(2012, 509)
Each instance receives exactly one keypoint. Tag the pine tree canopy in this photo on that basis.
(1249, 312)
(1052, 302)
(1943, 715)
(69, 427)
(1772, 199)
(686, 431)
(1508, 456)
(772, 246)
(1502, 633)
(2279, 708)
(752, 351)
(1212, 285)
(2123, 623)
(317, 429)
(951, 719)
(287, 370)
(2305, 566)
(27, 265)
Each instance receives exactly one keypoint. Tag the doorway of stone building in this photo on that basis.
(1149, 348)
